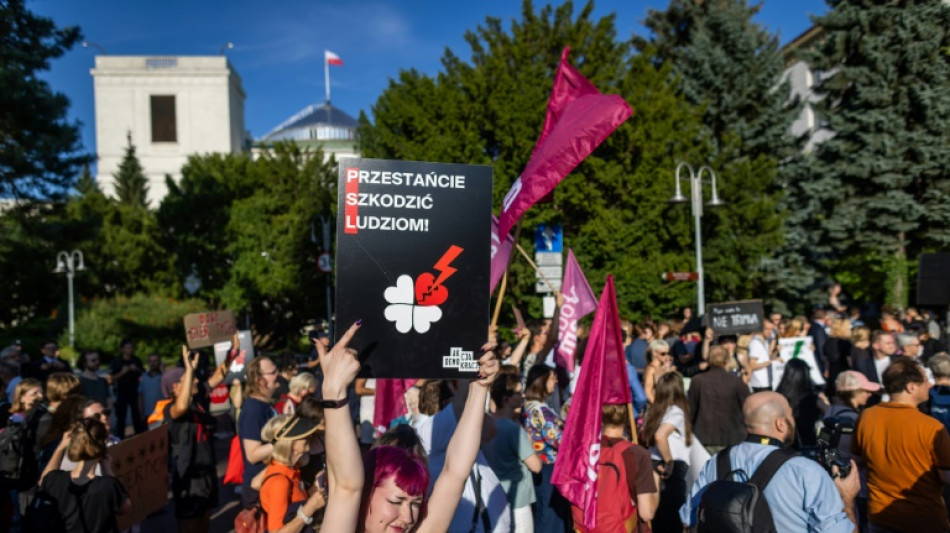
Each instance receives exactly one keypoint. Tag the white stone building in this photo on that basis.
(173, 107)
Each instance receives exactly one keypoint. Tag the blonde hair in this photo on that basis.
(794, 327)
(841, 328)
(283, 448)
(861, 334)
(21, 389)
(59, 385)
(301, 382)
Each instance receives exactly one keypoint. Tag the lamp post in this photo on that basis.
(696, 199)
(87, 44)
(325, 222)
(70, 263)
(225, 47)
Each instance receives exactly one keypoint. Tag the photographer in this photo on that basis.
(907, 454)
(801, 495)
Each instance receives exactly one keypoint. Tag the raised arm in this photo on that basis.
(462, 451)
(183, 398)
(344, 463)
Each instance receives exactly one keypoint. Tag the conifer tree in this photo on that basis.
(131, 185)
(732, 67)
(86, 183)
(884, 175)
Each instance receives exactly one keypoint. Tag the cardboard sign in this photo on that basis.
(205, 329)
(413, 262)
(735, 317)
(141, 464)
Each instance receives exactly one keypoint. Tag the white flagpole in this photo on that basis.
(326, 74)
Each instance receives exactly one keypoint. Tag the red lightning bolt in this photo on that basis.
(443, 265)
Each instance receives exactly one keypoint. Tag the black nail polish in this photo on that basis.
(358, 322)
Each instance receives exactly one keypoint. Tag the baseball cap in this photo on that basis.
(849, 380)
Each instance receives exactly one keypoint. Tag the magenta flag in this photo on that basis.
(578, 119)
(579, 301)
(500, 252)
(390, 401)
(603, 380)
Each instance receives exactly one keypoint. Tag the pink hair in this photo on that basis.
(407, 470)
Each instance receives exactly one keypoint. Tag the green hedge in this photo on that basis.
(153, 323)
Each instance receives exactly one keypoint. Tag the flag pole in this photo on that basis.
(504, 280)
(326, 75)
(536, 269)
(633, 424)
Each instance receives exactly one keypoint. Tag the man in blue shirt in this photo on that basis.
(801, 495)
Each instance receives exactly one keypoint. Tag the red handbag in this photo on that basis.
(234, 475)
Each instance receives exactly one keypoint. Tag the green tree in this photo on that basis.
(489, 110)
(732, 67)
(886, 96)
(131, 185)
(243, 227)
(39, 148)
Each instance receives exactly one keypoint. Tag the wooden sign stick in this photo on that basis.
(504, 280)
(535, 267)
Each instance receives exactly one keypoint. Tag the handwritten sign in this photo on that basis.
(735, 317)
(205, 329)
(141, 464)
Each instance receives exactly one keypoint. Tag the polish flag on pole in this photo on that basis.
(578, 119)
(579, 301)
(603, 380)
(332, 59)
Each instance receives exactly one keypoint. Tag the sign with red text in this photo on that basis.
(413, 261)
(205, 329)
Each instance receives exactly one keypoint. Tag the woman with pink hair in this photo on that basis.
(392, 495)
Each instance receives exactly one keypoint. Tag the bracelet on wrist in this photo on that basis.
(306, 519)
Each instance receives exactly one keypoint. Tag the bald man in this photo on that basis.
(801, 495)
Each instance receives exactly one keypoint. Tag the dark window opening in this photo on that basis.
(163, 120)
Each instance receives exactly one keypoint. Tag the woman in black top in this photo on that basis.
(190, 432)
(798, 389)
(85, 501)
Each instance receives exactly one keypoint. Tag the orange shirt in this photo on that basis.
(278, 492)
(903, 450)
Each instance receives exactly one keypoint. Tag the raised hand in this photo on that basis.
(488, 367)
(339, 364)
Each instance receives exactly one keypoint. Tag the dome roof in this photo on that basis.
(315, 123)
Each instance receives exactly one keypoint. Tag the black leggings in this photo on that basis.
(673, 491)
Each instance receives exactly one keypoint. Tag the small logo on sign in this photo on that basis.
(415, 305)
(460, 359)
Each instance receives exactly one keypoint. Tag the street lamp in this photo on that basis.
(325, 222)
(70, 263)
(87, 44)
(696, 198)
(226, 46)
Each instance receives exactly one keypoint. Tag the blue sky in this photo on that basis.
(278, 46)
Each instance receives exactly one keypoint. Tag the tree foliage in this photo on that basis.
(131, 185)
(732, 68)
(39, 148)
(884, 187)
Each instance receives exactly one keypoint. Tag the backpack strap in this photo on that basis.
(773, 461)
(723, 465)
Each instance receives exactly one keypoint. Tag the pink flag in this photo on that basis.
(579, 301)
(500, 252)
(579, 118)
(390, 401)
(603, 380)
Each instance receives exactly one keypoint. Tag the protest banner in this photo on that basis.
(731, 318)
(797, 348)
(141, 464)
(413, 262)
(579, 301)
(205, 329)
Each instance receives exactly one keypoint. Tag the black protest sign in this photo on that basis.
(413, 263)
(735, 317)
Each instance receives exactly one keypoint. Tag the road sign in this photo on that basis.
(325, 262)
(544, 259)
(680, 276)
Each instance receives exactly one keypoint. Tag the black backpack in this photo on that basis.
(729, 506)
(17, 460)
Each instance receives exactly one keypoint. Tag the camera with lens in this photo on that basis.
(826, 450)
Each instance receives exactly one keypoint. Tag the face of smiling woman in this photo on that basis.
(391, 509)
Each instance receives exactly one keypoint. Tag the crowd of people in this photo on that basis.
(839, 426)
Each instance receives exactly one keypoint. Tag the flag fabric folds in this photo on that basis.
(390, 401)
(500, 252)
(578, 119)
(332, 59)
(603, 380)
(579, 301)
